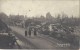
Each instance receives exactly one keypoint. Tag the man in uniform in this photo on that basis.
(29, 31)
(35, 32)
(25, 32)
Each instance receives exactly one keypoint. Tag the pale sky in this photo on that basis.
(39, 7)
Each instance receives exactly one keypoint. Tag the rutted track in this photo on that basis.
(32, 42)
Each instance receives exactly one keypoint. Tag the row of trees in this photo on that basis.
(49, 19)
(61, 19)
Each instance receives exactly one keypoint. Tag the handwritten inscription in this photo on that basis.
(63, 45)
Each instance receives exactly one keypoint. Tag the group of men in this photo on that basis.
(30, 31)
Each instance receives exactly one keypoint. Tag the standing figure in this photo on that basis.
(35, 32)
(29, 31)
(25, 32)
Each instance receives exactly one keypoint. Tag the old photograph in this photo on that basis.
(40, 24)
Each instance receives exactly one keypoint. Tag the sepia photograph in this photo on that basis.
(39, 24)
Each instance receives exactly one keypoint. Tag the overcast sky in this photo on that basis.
(38, 7)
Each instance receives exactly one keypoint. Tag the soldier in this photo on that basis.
(29, 31)
(25, 32)
(35, 32)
